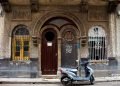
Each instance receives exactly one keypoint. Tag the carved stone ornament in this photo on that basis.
(34, 5)
(21, 13)
(69, 36)
(68, 48)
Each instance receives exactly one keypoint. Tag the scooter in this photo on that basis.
(69, 76)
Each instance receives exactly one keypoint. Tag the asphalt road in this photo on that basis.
(115, 83)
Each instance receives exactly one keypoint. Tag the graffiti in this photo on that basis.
(68, 48)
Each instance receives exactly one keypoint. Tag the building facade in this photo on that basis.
(49, 34)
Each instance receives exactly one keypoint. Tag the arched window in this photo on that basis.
(20, 43)
(97, 43)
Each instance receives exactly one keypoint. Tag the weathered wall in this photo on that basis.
(85, 20)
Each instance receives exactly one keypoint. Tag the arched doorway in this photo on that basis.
(49, 54)
(62, 50)
(20, 43)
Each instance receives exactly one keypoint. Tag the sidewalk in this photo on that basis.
(41, 80)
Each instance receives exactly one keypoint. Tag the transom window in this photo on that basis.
(22, 31)
(97, 43)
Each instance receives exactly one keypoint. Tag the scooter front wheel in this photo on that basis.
(66, 81)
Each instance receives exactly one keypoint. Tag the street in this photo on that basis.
(115, 83)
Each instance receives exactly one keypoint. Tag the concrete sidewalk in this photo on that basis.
(41, 80)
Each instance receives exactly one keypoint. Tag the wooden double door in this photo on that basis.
(49, 52)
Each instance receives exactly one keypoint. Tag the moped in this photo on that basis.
(70, 76)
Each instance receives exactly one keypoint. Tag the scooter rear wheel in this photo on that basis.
(66, 81)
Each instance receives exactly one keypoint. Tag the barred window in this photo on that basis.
(97, 43)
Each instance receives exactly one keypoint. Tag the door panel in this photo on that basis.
(69, 48)
(49, 52)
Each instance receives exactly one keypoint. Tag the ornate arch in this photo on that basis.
(38, 24)
(49, 26)
(70, 26)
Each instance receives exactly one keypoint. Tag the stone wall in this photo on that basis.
(34, 22)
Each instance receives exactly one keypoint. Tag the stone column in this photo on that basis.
(59, 56)
(112, 40)
(9, 48)
(118, 35)
(39, 58)
(2, 36)
(118, 39)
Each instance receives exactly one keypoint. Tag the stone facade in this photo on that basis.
(34, 21)
(95, 15)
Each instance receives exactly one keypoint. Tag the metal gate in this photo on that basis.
(97, 44)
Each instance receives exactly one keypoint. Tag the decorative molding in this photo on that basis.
(35, 41)
(84, 6)
(6, 6)
(37, 25)
(48, 8)
(84, 40)
(21, 13)
(112, 5)
(34, 5)
(97, 13)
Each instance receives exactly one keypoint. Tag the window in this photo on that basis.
(97, 43)
(21, 31)
(20, 43)
(49, 36)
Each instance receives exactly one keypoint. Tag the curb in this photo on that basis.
(107, 79)
(51, 81)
